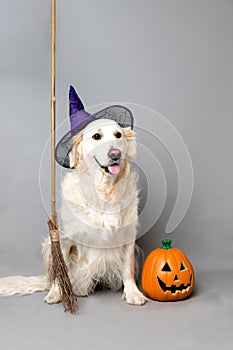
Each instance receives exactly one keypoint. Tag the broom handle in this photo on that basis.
(53, 112)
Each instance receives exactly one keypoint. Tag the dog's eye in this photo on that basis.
(96, 136)
(118, 135)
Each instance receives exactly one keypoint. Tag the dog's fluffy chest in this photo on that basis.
(96, 219)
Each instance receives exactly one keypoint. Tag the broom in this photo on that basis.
(58, 270)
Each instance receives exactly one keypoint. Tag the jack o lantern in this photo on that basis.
(167, 274)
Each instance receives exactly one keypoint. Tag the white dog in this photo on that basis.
(98, 218)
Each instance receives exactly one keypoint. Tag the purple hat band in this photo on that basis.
(79, 119)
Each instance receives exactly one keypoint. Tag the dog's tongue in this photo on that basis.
(114, 169)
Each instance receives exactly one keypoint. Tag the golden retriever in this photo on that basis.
(98, 218)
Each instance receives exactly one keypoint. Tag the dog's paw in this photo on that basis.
(135, 298)
(53, 297)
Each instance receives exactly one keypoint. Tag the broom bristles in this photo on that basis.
(59, 272)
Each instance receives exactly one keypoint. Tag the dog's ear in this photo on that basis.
(76, 154)
(131, 143)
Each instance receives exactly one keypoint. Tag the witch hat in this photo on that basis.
(80, 118)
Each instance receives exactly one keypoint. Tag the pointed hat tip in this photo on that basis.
(74, 101)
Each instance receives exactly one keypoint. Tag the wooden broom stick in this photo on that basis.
(53, 112)
(58, 268)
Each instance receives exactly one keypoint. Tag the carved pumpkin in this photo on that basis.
(167, 274)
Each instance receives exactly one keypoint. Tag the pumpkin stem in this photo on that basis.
(166, 244)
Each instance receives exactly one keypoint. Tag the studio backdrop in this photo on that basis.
(171, 68)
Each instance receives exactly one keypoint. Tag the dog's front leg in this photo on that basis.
(131, 292)
(54, 295)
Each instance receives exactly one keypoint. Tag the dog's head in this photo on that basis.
(103, 145)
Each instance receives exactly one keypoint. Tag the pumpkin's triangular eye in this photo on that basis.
(166, 267)
(182, 266)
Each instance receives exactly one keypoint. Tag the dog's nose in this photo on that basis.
(114, 154)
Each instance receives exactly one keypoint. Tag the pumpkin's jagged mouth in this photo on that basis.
(175, 289)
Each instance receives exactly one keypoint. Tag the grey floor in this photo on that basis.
(105, 322)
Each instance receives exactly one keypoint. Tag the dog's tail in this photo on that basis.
(22, 285)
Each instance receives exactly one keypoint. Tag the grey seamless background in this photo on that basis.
(172, 56)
